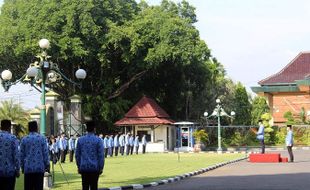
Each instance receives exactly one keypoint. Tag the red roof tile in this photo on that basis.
(145, 112)
(297, 69)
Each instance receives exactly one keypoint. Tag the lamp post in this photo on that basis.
(41, 72)
(218, 112)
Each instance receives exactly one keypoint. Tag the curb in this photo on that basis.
(270, 148)
(174, 179)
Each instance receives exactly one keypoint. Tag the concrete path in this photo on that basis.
(252, 176)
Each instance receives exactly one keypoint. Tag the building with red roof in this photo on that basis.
(289, 89)
(147, 118)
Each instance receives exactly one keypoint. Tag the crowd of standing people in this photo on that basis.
(122, 144)
(32, 155)
(60, 146)
(113, 145)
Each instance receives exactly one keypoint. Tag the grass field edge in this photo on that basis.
(176, 178)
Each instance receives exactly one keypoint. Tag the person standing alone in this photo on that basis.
(289, 142)
(121, 141)
(105, 145)
(63, 147)
(34, 158)
(131, 143)
(54, 150)
(71, 148)
(89, 158)
(127, 144)
(111, 145)
(136, 144)
(144, 142)
(116, 144)
(260, 135)
(9, 157)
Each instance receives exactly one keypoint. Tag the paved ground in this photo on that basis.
(249, 176)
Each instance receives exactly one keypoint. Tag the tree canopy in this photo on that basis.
(127, 49)
(259, 107)
(242, 105)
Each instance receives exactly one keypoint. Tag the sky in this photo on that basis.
(252, 39)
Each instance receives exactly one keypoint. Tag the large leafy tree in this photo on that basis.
(78, 33)
(164, 51)
(127, 49)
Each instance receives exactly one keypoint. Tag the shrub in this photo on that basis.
(201, 136)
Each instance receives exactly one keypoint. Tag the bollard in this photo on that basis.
(47, 181)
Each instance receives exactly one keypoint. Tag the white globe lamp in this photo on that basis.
(80, 74)
(44, 43)
(6, 75)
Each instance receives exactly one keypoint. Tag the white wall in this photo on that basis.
(159, 138)
(154, 147)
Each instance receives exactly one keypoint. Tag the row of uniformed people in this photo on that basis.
(119, 142)
(60, 146)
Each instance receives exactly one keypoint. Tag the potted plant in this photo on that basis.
(201, 138)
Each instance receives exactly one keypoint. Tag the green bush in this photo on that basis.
(290, 118)
(280, 135)
(236, 139)
(301, 135)
(239, 137)
(201, 136)
(232, 137)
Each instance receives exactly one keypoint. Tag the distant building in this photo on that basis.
(148, 118)
(288, 90)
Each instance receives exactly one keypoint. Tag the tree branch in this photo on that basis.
(122, 88)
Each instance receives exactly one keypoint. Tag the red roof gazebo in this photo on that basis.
(148, 118)
(145, 112)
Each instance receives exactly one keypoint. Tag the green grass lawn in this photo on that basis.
(137, 169)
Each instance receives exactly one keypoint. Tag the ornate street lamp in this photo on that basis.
(41, 72)
(219, 111)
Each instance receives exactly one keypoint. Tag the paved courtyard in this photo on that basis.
(249, 176)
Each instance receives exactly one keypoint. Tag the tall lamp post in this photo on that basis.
(41, 72)
(218, 112)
